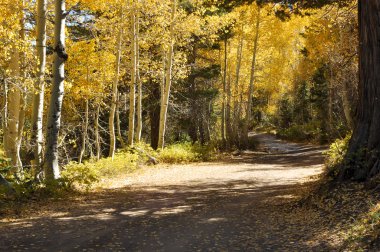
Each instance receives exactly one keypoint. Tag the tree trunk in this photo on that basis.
(347, 105)
(166, 93)
(154, 115)
(252, 80)
(118, 127)
(229, 130)
(15, 102)
(97, 136)
(139, 83)
(132, 91)
(236, 103)
(223, 124)
(38, 98)
(194, 99)
(363, 157)
(84, 133)
(5, 114)
(55, 108)
(111, 120)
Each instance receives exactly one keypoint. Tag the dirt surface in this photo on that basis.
(243, 203)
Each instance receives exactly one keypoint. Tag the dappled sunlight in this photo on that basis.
(173, 210)
(135, 213)
(201, 202)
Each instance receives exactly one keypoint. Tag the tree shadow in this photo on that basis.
(240, 215)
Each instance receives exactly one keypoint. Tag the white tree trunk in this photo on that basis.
(38, 99)
(132, 91)
(13, 117)
(51, 165)
(252, 78)
(223, 123)
(5, 114)
(97, 136)
(237, 80)
(84, 133)
(15, 102)
(139, 83)
(168, 80)
(114, 89)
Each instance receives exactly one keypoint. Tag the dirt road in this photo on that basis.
(240, 204)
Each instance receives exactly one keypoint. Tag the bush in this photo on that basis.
(336, 154)
(185, 153)
(85, 175)
(81, 175)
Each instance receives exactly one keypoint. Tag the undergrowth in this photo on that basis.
(83, 177)
(364, 233)
(335, 156)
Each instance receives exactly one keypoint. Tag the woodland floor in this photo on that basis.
(241, 203)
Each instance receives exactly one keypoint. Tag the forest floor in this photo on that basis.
(247, 202)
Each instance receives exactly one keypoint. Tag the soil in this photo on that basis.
(245, 202)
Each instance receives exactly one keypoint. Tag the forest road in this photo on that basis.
(240, 203)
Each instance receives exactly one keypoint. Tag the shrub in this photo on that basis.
(185, 153)
(178, 153)
(82, 175)
(85, 175)
(336, 154)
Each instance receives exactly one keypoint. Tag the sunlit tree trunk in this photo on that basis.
(84, 133)
(223, 123)
(132, 90)
(38, 98)
(13, 118)
(236, 102)
(51, 164)
(168, 81)
(139, 83)
(252, 79)
(97, 135)
(363, 157)
(347, 105)
(5, 113)
(229, 130)
(111, 122)
(15, 102)
(118, 127)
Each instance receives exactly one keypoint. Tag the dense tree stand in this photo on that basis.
(363, 157)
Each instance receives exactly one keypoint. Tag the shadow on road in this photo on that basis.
(242, 212)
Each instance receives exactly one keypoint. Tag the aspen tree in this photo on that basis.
(132, 90)
(224, 89)
(139, 83)
(84, 133)
(51, 164)
(252, 78)
(168, 81)
(115, 87)
(12, 136)
(97, 136)
(38, 98)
